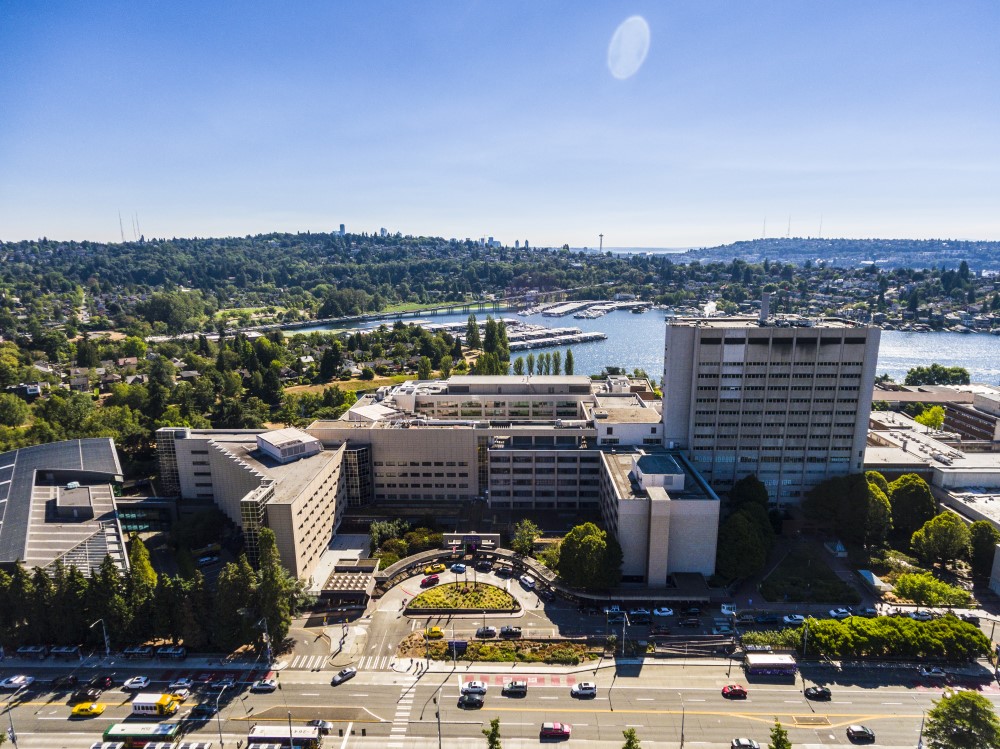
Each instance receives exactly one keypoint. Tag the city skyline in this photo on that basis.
(680, 126)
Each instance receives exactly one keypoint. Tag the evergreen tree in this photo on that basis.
(491, 336)
(472, 339)
(446, 364)
(556, 362)
(983, 540)
(519, 366)
(235, 610)
(530, 363)
(424, 368)
(569, 361)
(779, 737)
(276, 589)
(106, 599)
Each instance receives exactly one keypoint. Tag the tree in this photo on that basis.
(936, 374)
(13, 411)
(631, 739)
(749, 490)
(942, 539)
(235, 611)
(983, 539)
(590, 558)
(878, 521)
(742, 550)
(447, 362)
(530, 363)
(962, 720)
(492, 734)
(424, 368)
(912, 504)
(519, 366)
(779, 737)
(932, 417)
(556, 362)
(525, 533)
(569, 361)
(140, 586)
(276, 589)
(874, 477)
(472, 339)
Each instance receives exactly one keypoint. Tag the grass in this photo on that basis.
(464, 596)
(501, 651)
(351, 385)
(804, 577)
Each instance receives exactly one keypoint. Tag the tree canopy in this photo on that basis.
(912, 504)
(942, 539)
(936, 374)
(962, 720)
(590, 558)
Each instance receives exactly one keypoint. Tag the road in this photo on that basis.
(398, 711)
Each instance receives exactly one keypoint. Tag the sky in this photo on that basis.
(518, 120)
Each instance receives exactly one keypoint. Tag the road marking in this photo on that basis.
(310, 694)
(347, 735)
(548, 698)
(791, 702)
(359, 695)
(892, 703)
(639, 699)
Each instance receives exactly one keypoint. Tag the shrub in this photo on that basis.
(923, 588)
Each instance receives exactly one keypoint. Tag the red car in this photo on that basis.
(429, 581)
(734, 692)
(555, 731)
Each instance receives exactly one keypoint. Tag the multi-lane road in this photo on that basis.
(393, 710)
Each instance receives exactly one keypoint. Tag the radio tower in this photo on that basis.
(602, 242)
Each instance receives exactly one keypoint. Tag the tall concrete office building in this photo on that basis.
(787, 400)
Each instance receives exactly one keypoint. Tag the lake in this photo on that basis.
(636, 341)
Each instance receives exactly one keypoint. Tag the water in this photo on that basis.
(636, 341)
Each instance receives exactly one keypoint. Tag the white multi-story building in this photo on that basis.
(787, 400)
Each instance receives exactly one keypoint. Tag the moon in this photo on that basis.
(629, 47)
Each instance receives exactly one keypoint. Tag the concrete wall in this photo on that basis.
(694, 528)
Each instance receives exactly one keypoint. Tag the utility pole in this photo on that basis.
(107, 643)
(437, 713)
(291, 738)
(218, 717)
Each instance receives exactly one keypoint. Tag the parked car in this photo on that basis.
(62, 682)
(584, 689)
(181, 684)
(555, 731)
(433, 633)
(515, 689)
(263, 686)
(471, 701)
(88, 709)
(510, 633)
(429, 581)
(658, 630)
(527, 581)
(663, 612)
(474, 687)
(614, 609)
(932, 673)
(486, 632)
(484, 565)
(17, 682)
(840, 613)
(921, 616)
(745, 619)
(860, 734)
(868, 613)
(744, 744)
(691, 611)
(638, 612)
(970, 618)
(691, 621)
(343, 675)
(818, 693)
(734, 692)
(136, 683)
(728, 609)
(207, 561)
(793, 619)
(458, 568)
(324, 726)
(88, 694)
(767, 619)
(102, 682)
(432, 569)
(547, 594)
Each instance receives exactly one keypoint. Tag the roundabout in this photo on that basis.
(464, 597)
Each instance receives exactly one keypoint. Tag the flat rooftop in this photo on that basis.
(789, 322)
(658, 461)
(290, 478)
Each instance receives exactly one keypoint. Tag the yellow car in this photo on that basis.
(88, 709)
(430, 569)
(433, 633)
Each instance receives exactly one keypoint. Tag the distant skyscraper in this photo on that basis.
(382, 232)
(517, 244)
(526, 245)
(342, 232)
(787, 401)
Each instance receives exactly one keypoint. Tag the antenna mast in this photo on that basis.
(121, 226)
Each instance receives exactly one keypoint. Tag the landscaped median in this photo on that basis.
(464, 597)
(567, 652)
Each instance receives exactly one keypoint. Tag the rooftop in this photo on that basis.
(789, 321)
(655, 462)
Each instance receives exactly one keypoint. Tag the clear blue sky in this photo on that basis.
(501, 118)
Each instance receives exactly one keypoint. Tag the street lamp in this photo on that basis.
(107, 642)
(291, 737)
(218, 716)
(10, 715)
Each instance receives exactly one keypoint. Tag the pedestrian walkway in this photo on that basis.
(401, 720)
(308, 662)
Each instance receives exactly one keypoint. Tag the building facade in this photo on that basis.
(787, 401)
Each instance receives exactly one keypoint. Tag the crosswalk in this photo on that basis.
(401, 720)
(375, 662)
(308, 662)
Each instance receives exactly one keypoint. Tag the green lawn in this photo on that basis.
(805, 577)
(464, 596)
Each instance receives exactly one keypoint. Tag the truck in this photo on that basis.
(149, 703)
